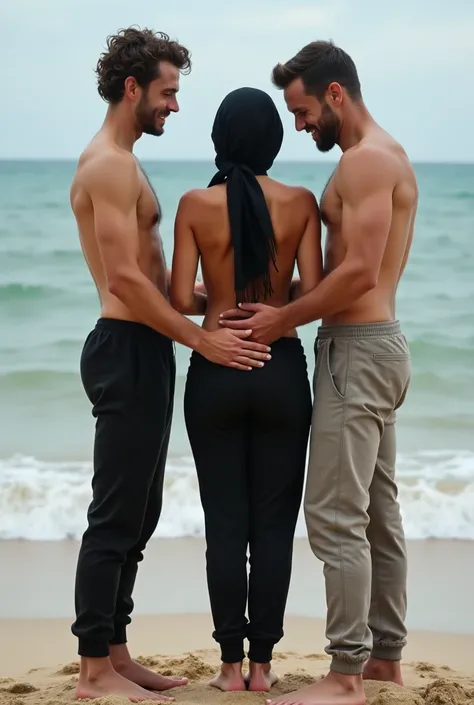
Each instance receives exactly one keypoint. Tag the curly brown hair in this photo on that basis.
(138, 53)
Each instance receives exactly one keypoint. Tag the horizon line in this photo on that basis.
(202, 160)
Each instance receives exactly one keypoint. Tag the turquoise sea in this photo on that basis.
(48, 304)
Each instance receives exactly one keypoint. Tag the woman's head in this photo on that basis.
(247, 135)
(247, 130)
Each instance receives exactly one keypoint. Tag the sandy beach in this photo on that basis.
(169, 644)
(181, 645)
(171, 630)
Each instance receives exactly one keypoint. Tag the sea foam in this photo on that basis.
(42, 500)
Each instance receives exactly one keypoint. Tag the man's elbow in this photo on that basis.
(369, 280)
(120, 282)
(365, 278)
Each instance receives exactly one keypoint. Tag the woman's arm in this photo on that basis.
(184, 293)
(309, 255)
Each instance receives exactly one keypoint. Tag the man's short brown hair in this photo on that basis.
(137, 53)
(318, 65)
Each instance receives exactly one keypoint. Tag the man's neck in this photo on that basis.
(121, 127)
(355, 125)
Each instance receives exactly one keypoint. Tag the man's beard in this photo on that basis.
(147, 119)
(328, 129)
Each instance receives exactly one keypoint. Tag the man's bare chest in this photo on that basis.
(148, 208)
(148, 220)
(331, 204)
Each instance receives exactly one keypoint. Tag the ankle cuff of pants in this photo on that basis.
(232, 651)
(120, 634)
(92, 648)
(346, 667)
(260, 650)
(387, 653)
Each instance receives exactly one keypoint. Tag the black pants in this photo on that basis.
(128, 372)
(248, 433)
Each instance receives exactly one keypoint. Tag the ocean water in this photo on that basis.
(48, 304)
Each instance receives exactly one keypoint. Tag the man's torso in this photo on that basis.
(151, 260)
(379, 303)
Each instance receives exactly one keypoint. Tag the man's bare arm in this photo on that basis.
(366, 182)
(183, 294)
(113, 186)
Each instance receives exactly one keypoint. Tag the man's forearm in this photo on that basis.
(145, 302)
(334, 294)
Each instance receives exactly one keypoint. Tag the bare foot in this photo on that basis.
(334, 689)
(135, 672)
(230, 678)
(112, 683)
(382, 670)
(260, 677)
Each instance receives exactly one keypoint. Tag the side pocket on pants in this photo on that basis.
(337, 363)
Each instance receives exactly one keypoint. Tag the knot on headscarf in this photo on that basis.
(247, 135)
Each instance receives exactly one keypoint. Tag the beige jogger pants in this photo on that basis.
(352, 513)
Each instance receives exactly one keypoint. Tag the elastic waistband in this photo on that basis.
(119, 325)
(291, 344)
(289, 340)
(360, 330)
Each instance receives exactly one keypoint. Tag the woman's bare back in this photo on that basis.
(296, 224)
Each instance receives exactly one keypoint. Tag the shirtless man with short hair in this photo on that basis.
(128, 364)
(361, 378)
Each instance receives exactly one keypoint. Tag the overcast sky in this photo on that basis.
(415, 60)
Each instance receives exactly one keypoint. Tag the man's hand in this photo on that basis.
(266, 321)
(229, 348)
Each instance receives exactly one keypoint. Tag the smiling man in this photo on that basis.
(362, 373)
(128, 364)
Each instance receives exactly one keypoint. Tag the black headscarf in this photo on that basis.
(247, 135)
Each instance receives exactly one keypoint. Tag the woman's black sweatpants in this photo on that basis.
(249, 433)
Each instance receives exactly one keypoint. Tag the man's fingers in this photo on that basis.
(255, 355)
(236, 366)
(234, 325)
(235, 313)
(250, 307)
(239, 328)
(231, 313)
(249, 361)
(258, 347)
